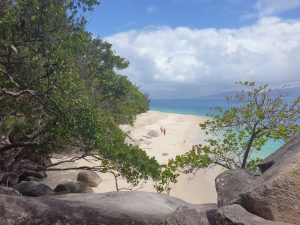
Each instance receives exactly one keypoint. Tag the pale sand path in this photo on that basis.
(182, 132)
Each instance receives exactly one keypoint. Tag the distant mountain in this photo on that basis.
(289, 92)
(286, 92)
(221, 95)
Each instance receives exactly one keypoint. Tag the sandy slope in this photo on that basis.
(182, 131)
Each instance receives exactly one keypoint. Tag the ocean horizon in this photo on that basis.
(200, 107)
(203, 107)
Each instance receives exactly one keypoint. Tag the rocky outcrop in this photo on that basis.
(272, 198)
(112, 208)
(237, 215)
(30, 173)
(8, 178)
(286, 151)
(89, 178)
(9, 191)
(33, 189)
(231, 183)
(26, 165)
(71, 187)
(275, 195)
(41, 159)
(193, 215)
(26, 168)
(23, 170)
(29, 178)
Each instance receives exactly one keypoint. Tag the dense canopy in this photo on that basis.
(59, 89)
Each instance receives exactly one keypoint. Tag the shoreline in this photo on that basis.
(182, 132)
(178, 113)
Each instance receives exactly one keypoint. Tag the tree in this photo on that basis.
(255, 116)
(59, 91)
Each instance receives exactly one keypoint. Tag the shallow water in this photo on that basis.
(202, 107)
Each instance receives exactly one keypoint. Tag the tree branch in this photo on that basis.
(10, 78)
(15, 94)
(94, 168)
(25, 144)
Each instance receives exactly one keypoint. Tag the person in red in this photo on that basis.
(165, 131)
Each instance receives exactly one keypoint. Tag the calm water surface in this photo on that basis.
(202, 107)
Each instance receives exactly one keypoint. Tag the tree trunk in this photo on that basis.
(246, 155)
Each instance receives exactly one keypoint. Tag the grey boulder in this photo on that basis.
(288, 150)
(275, 195)
(8, 178)
(89, 178)
(33, 189)
(26, 165)
(30, 173)
(237, 215)
(193, 215)
(112, 208)
(231, 183)
(9, 191)
(153, 133)
(26, 168)
(71, 187)
(30, 178)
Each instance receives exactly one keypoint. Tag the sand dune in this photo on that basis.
(182, 131)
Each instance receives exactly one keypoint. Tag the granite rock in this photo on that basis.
(237, 215)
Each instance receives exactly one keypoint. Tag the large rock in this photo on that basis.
(153, 133)
(33, 189)
(41, 159)
(237, 215)
(89, 178)
(275, 195)
(26, 168)
(112, 208)
(287, 150)
(197, 215)
(30, 178)
(30, 173)
(231, 183)
(26, 165)
(9, 191)
(9, 178)
(71, 187)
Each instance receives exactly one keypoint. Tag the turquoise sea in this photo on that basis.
(202, 107)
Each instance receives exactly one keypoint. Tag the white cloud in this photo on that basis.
(184, 62)
(275, 7)
(151, 9)
(268, 8)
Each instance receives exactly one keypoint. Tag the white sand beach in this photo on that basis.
(182, 131)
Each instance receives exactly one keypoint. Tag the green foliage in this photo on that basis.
(234, 134)
(58, 88)
(120, 98)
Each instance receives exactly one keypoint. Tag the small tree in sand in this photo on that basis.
(234, 134)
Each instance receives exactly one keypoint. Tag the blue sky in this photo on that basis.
(191, 48)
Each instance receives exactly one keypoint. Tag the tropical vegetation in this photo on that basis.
(256, 115)
(59, 89)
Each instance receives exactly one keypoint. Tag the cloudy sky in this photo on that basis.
(193, 48)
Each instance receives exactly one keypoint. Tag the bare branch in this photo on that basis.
(15, 94)
(74, 159)
(10, 78)
(94, 168)
(26, 144)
